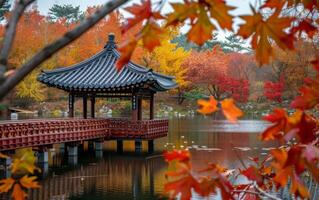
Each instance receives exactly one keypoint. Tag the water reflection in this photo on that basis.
(130, 176)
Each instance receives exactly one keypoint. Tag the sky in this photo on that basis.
(242, 7)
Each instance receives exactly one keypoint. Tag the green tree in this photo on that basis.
(5, 8)
(234, 43)
(182, 41)
(68, 12)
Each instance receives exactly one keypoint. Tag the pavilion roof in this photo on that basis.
(99, 74)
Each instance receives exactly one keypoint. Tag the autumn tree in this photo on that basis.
(206, 68)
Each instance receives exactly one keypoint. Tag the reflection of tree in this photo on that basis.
(117, 176)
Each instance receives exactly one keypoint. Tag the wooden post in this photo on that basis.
(71, 105)
(134, 108)
(139, 108)
(92, 107)
(85, 108)
(152, 102)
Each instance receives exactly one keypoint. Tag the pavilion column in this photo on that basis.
(152, 103)
(71, 105)
(85, 108)
(134, 108)
(92, 107)
(139, 108)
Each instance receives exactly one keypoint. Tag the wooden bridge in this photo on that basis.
(38, 133)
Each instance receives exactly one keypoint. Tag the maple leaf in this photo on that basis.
(230, 110)
(253, 174)
(207, 186)
(207, 107)
(18, 193)
(29, 182)
(202, 30)
(182, 186)
(307, 27)
(298, 187)
(149, 32)
(263, 31)
(182, 11)
(307, 128)
(24, 161)
(220, 11)
(6, 184)
(278, 4)
(141, 12)
(179, 155)
(282, 124)
(308, 99)
(126, 51)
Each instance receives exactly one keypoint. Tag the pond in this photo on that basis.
(131, 176)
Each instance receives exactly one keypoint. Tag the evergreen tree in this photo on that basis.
(5, 8)
(234, 43)
(181, 41)
(68, 12)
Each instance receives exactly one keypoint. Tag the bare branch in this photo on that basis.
(17, 12)
(52, 48)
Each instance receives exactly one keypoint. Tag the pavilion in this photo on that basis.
(97, 77)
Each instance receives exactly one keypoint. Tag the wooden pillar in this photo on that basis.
(134, 108)
(85, 108)
(71, 105)
(152, 103)
(139, 109)
(93, 107)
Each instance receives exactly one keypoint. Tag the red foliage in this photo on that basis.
(273, 91)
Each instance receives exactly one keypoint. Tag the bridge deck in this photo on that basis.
(31, 133)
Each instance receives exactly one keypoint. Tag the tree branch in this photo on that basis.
(9, 36)
(52, 48)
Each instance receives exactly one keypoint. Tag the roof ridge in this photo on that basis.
(76, 65)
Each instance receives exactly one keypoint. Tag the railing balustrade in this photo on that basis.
(27, 133)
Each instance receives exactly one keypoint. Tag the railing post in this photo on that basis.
(85, 109)
(150, 146)
(92, 107)
(134, 107)
(139, 108)
(71, 105)
(152, 103)
(119, 146)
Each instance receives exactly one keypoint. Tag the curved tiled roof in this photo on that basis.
(99, 73)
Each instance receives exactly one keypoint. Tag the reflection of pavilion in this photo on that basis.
(128, 177)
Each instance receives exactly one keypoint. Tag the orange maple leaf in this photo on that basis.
(262, 31)
(230, 110)
(182, 11)
(179, 155)
(6, 184)
(220, 11)
(18, 193)
(207, 107)
(29, 182)
(150, 36)
(201, 31)
(126, 51)
(182, 186)
(141, 12)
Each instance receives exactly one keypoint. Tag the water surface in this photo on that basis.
(130, 176)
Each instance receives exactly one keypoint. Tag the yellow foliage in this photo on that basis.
(168, 59)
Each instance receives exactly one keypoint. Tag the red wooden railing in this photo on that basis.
(26, 133)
